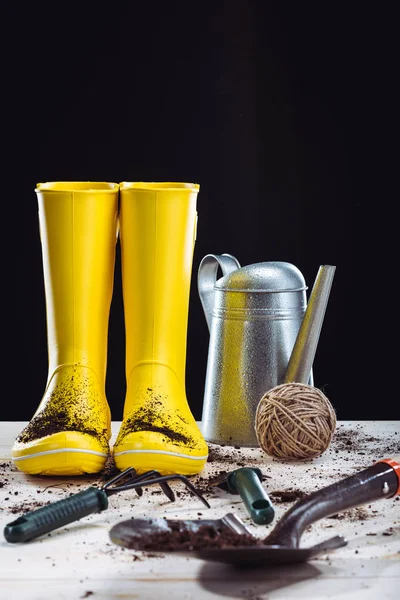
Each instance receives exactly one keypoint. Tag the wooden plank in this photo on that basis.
(80, 558)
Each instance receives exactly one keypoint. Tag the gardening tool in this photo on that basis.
(246, 482)
(157, 232)
(70, 430)
(282, 545)
(254, 315)
(92, 500)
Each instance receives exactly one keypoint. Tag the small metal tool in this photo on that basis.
(92, 500)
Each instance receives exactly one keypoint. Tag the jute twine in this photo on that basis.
(294, 421)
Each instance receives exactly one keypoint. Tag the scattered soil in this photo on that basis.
(210, 484)
(289, 495)
(25, 507)
(4, 468)
(355, 514)
(225, 454)
(357, 442)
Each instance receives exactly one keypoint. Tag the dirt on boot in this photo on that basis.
(70, 407)
(153, 417)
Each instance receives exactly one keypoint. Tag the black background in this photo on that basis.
(280, 111)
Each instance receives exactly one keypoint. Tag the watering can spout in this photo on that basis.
(304, 349)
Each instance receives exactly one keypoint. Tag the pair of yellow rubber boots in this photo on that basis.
(70, 432)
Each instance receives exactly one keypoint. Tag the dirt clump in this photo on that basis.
(354, 514)
(180, 538)
(283, 496)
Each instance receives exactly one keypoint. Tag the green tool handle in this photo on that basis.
(55, 515)
(247, 483)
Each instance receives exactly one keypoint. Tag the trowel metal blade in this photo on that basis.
(257, 556)
(134, 534)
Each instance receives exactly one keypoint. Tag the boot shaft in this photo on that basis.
(78, 231)
(157, 233)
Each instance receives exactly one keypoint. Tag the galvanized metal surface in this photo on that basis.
(302, 357)
(255, 319)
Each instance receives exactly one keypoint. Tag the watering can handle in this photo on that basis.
(207, 276)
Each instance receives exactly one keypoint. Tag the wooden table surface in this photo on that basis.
(80, 561)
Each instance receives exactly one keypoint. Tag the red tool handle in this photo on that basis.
(395, 464)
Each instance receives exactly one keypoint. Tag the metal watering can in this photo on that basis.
(262, 333)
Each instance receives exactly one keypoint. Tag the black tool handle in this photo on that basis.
(378, 481)
(55, 515)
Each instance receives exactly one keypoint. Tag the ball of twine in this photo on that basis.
(294, 421)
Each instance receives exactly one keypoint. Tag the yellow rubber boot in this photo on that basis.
(70, 431)
(157, 233)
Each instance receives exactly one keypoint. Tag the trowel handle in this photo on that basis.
(381, 480)
(247, 482)
(55, 515)
(207, 276)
